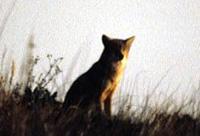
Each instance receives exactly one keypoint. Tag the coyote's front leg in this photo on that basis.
(105, 101)
(107, 105)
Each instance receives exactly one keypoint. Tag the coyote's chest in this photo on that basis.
(111, 84)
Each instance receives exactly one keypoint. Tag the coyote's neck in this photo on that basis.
(114, 70)
(119, 66)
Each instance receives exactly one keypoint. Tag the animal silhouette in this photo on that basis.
(97, 85)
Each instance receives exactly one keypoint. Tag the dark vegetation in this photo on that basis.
(36, 114)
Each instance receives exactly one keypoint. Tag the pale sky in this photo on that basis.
(167, 36)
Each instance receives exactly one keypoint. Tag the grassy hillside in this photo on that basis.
(37, 113)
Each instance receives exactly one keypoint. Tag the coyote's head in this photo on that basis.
(116, 49)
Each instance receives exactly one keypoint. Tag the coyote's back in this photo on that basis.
(96, 86)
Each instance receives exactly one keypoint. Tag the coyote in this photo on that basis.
(97, 85)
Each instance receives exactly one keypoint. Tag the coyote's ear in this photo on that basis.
(105, 40)
(129, 41)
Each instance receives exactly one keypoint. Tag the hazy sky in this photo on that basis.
(167, 35)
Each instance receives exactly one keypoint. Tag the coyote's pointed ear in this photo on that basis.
(105, 40)
(129, 41)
